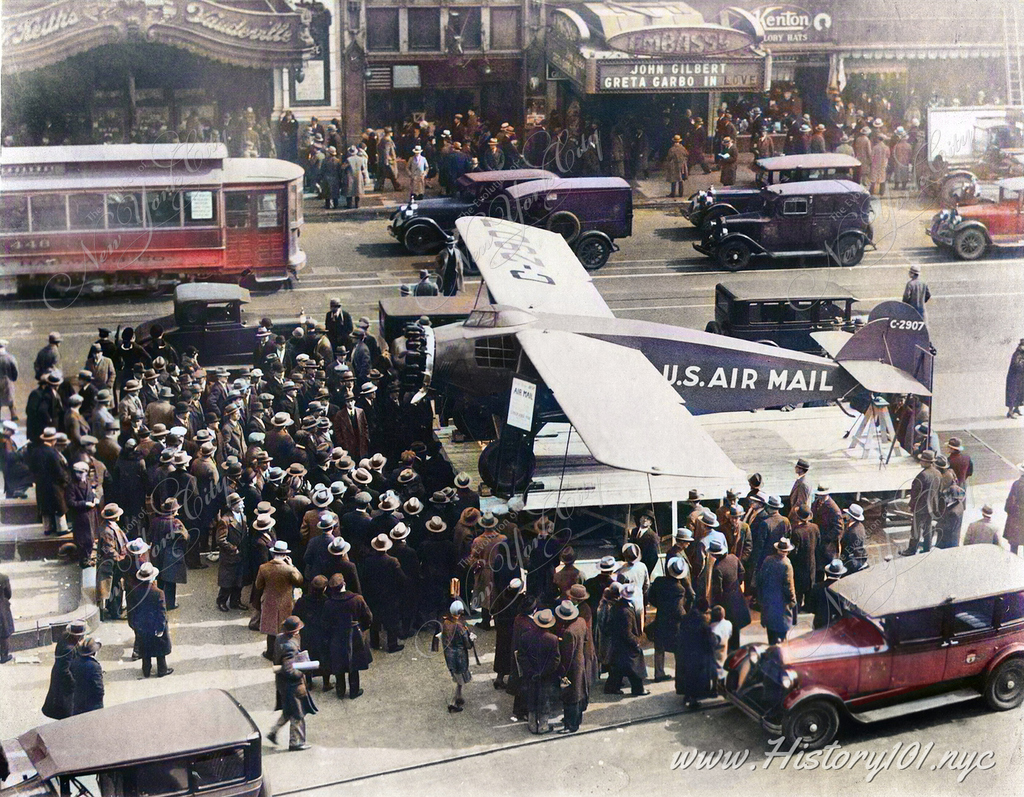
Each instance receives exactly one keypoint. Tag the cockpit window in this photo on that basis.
(482, 319)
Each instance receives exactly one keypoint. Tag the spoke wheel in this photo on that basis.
(593, 252)
(970, 244)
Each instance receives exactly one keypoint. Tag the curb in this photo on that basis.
(46, 632)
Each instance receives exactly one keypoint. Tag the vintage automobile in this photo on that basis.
(422, 225)
(200, 742)
(714, 203)
(747, 311)
(395, 312)
(970, 232)
(211, 317)
(830, 218)
(905, 635)
(589, 212)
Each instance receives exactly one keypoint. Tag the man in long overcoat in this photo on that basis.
(575, 663)
(828, 518)
(538, 654)
(59, 698)
(671, 596)
(233, 541)
(273, 593)
(383, 583)
(51, 476)
(676, 166)
(87, 675)
(6, 619)
(696, 669)
(346, 619)
(1015, 382)
(925, 504)
(149, 619)
(727, 592)
(776, 592)
(805, 536)
(625, 646)
(169, 539)
(292, 694)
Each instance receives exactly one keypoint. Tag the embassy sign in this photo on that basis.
(789, 24)
(668, 41)
(51, 32)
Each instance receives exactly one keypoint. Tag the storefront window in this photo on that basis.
(504, 28)
(424, 29)
(48, 213)
(382, 30)
(86, 211)
(465, 23)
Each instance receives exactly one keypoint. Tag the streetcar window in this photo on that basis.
(163, 208)
(14, 213)
(236, 206)
(124, 210)
(86, 211)
(48, 213)
(200, 207)
(267, 214)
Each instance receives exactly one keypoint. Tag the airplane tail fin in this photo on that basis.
(891, 353)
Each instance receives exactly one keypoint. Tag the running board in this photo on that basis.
(913, 706)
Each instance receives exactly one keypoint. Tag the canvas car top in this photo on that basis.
(905, 584)
(188, 722)
(564, 184)
(817, 187)
(209, 292)
(824, 160)
(797, 290)
(505, 176)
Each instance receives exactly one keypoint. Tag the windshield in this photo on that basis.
(21, 767)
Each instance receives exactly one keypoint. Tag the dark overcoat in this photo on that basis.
(6, 618)
(671, 597)
(1013, 532)
(58, 702)
(150, 620)
(696, 670)
(346, 619)
(88, 689)
(169, 538)
(726, 579)
(625, 643)
(805, 537)
(383, 582)
(233, 543)
(776, 593)
(310, 609)
(1015, 380)
(575, 663)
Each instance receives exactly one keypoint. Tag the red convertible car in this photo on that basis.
(969, 232)
(909, 635)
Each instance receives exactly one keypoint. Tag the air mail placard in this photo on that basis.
(738, 74)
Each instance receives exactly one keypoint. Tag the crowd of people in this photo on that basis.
(319, 471)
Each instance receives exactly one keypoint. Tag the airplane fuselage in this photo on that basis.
(712, 373)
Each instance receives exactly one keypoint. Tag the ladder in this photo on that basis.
(1014, 56)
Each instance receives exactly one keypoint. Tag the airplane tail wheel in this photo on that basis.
(507, 471)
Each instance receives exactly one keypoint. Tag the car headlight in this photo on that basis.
(724, 231)
(790, 678)
(407, 213)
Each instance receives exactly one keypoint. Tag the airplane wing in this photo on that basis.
(530, 268)
(627, 414)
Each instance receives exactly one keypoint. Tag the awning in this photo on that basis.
(50, 32)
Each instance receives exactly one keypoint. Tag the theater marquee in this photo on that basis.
(745, 74)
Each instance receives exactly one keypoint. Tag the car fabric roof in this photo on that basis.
(798, 289)
(507, 175)
(141, 730)
(209, 292)
(905, 584)
(817, 187)
(825, 160)
(564, 184)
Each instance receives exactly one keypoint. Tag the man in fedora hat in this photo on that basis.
(233, 541)
(346, 619)
(671, 596)
(439, 558)
(87, 676)
(383, 584)
(357, 525)
(44, 407)
(916, 292)
(727, 590)
(982, 531)
(960, 461)
(947, 527)
(676, 166)
(279, 443)
(597, 584)
(410, 562)
(48, 357)
(169, 539)
(110, 571)
(766, 530)
(8, 376)
(800, 492)
(1013, 532)
(624, 635)
(290, 683)
(1015, 382)
(820, 600)
(59, 698)
(82, 500)
(805, 538)
(149, 619)
(646, 538)
(828, 518)
(852, 544)
(50, 470)
(351, 430)
(485, 549)
(925, 504)
(576, 664)
(537, 652)
(696, 667)
(776, 592)
(273, 593)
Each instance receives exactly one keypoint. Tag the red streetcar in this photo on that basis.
(146, 216)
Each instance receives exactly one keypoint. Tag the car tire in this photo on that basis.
(714, 328)
(1004, 687)
(422, 240)
(849, 250)
(593, 251)
(970, 244)
(814, 722)
(733, 255)
(565, 224)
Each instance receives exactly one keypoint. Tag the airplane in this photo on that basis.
(631, 388)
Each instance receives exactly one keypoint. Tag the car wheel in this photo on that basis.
(422, 240)
(593, 252)
(970, 244)
(565, 224)
(734, 255)
(849, 250)
(814, 723)
(705, 225)
(1004, 688)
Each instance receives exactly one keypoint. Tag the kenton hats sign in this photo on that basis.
(787, 24)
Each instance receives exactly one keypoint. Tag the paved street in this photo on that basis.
(398, 738)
